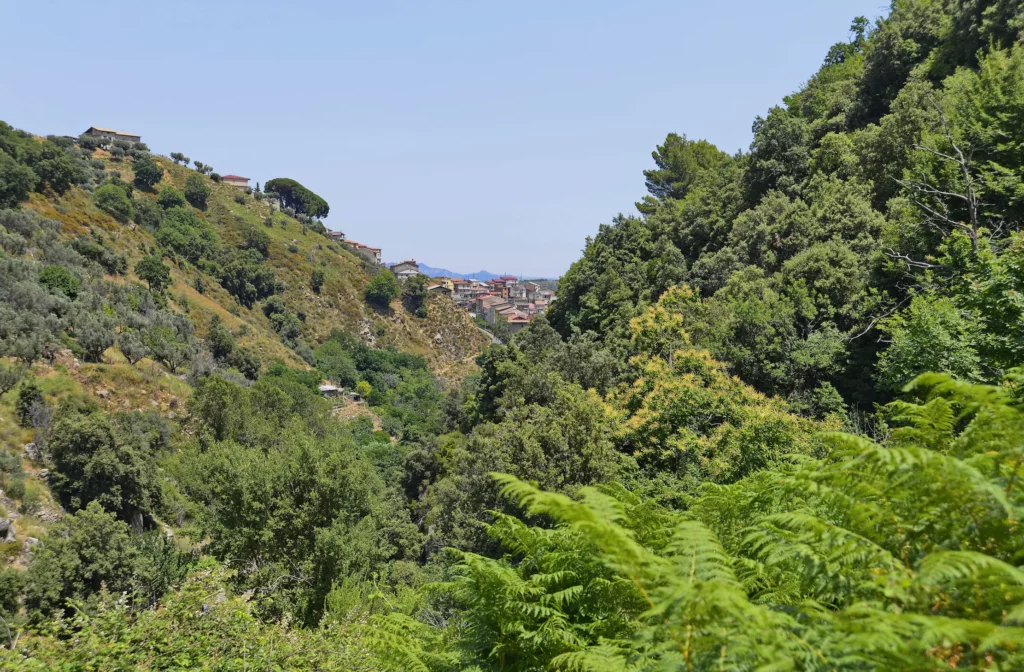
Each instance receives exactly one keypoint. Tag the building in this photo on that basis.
(336, 236)
(439, 289)
(235, 181)
(371, 254)
(110, 134)
(517, 323)
(330, 391)
(405, 269)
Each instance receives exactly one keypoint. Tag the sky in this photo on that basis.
(466, 135)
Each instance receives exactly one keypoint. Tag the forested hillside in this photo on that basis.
(773, 421)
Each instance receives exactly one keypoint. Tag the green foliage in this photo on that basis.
(186, 234)
(257, 239)
(414, 295)
(247, 277)
(382, 290)
(197, 191)
(113, 200)
(59, 279)
(299, 198)
(16, 181)
(800, 568)
(171, 198)
(316, 280)
(152, 270)
(147, 172)
(29, 398)
(10, 376)
(94, 461)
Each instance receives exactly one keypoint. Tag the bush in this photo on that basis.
(382, 290)
(240, 198)
(147, 172)
(248, 278)
(197, 191)
(316, 279)
(273, 306)
(147, 213)
(171, 198)
(16, 181)
(58, 279)
(257, 239)
(10, 376)
(414, 295)
(29, 398)
(215, 177)
(113, 200)
(247, 363)
(89, 143)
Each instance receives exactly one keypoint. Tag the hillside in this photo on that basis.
(772, 422)
(294, 251)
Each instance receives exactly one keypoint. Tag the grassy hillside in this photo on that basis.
(446, 338)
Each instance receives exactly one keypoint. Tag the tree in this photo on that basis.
(316, 280)
(294, 195)
(16, 181)
(215, 177)
(185, 233)
(414, 295)
(94, 333)
(30, 396)
(132, 346)
(114, 201)
(679, 162)
(171, 198)
(152, 270)
(147, 172)
(220, 340)
(178, 157)
(10, 376)
(197, 191)
(257, 239)
(382, 289)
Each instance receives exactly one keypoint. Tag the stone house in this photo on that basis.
(111, 134)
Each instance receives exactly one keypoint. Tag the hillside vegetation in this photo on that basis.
(773, 423)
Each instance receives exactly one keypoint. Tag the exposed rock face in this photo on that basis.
(7, 529)
(32, 452)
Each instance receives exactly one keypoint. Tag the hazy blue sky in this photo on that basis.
(469, 135)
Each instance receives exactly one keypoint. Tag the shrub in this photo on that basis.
(147, 172)
(16, 181)
(414, 295)
(247, 277)
(113, 200)
(257, 239)
(382, 290)
(273, 305)
(316, 279)
(10, 376)
(197, 191)
(171, 198)
(247, 363)
(98, 163)
(29, 398)
(58, 279)
(140, 147)
(147, 213)
(293, 248)
(89, 143)
(215, 177)
(240, 198)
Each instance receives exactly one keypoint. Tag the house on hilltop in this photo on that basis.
(235, 181)
(371, 254)
(111, 134)
(405, 269)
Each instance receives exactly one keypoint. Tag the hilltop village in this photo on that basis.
(505, 299)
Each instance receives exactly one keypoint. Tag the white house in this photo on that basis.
(405, 269)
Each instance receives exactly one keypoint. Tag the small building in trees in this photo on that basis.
(405, 269)
(235, 181)
(111, 134)
(329, 391)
